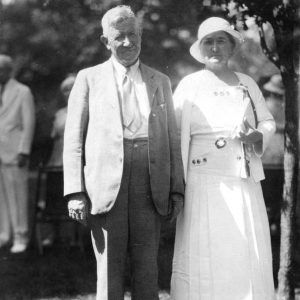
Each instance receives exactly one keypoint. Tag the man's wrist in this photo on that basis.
(72, 196)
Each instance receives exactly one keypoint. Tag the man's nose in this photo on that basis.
(127, 41)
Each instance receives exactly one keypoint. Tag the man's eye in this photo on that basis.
(119, 38)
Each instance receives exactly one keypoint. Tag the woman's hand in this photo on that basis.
(248, 134)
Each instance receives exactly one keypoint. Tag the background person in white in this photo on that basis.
(17, 121)
(122, 162)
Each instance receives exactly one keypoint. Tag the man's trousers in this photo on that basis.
(13, 204)
(132, 227)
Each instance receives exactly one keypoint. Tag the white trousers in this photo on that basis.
(13, 204)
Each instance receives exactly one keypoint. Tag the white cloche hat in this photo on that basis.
(209, 26)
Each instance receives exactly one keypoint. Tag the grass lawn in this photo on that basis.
(65, 272)
(62, 273)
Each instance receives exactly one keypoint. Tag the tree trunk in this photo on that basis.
(288, 206)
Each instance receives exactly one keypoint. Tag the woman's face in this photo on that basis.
(217, 48)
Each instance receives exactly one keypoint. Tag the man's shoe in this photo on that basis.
(18, 248)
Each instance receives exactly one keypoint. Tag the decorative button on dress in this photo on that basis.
(222, 248)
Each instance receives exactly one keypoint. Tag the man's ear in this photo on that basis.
(104, 40)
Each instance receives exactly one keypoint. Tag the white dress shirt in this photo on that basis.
(141, 94)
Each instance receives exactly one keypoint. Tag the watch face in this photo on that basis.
(220, 143)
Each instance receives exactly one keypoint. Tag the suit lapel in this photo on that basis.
(149, 78)
(109, 89)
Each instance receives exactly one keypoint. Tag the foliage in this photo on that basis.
(50, 38)
(281, 14)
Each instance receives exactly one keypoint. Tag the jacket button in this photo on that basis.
(239, 158)
(154, 115)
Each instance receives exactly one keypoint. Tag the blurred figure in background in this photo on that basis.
(59, 124)
(54, 204)
(273, 157)
(17, 119)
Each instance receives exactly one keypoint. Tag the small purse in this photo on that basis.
(246, 94)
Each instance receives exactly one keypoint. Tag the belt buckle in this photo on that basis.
(220, 143)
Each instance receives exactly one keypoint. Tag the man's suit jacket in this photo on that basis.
(93, 142)
(17, 121)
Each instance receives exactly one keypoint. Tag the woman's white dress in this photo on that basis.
(222, 248)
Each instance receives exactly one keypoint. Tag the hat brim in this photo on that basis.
(195, 49)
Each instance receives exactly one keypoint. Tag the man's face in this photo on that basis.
(124, 41)
(5, 73)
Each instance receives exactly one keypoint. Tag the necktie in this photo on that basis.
(130, 108)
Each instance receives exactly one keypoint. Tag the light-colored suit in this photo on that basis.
(93, 144)
(96, 162)
(17, 121)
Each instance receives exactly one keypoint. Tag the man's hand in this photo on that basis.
(177, 206)
(22, 160)
(248, 134)
(78, 207)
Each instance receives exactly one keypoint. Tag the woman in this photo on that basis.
(222, 248)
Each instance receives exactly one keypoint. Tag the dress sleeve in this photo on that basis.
(179, 97)
(266, 124)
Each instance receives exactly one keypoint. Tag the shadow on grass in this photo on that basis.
(60, 272)
(64, 272)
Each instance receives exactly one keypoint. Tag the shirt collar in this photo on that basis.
(121, 70)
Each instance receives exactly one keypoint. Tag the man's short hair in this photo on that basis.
(117, 15)
(6, 61)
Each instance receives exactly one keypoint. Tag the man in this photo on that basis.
(16, 132)
(122, 159)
